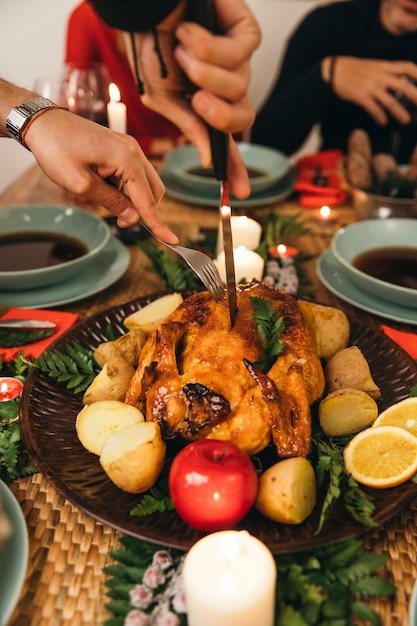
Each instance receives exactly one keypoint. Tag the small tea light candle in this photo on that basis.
(116, 110)
(248, 265)
(281, 251)
(324, 215)
(245, 232)
(10, 388)
(230, 580)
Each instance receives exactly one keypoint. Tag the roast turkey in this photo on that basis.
(198, 378)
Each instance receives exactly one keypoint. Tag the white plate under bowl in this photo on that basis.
(355, 239)
(270, 165)
(278, 192)
(13, 556)
(333, 276)
(110, 264)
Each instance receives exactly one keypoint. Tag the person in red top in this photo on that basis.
(89, 40)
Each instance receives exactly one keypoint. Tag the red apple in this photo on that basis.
(213, 484)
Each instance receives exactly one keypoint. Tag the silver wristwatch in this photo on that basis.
(21, 115)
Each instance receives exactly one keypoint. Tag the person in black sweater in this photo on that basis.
(348, 65)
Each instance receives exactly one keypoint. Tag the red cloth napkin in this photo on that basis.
(407, 341)
(63, 320)
(326, 163)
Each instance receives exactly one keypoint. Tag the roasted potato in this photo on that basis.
(349, 369)
(346, 412)
(111, 383)
(133, 457)
(328, 326)
(128, 346)
(153, 314)
(287, 491)
(96, 422)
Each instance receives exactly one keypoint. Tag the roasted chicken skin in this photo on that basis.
(197, 379)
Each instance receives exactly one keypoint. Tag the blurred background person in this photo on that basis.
(348, 65)
(90, 41)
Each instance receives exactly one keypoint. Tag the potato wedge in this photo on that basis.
(111, 383)
(349, 369)
(97, 421)
(347, 412)
(153, 314)
(287, 491)
(128, 346)
(328, 326)
(133, 457)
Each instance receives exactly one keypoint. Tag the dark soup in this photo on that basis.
(209, 173)
(396, 265)
(37, 249)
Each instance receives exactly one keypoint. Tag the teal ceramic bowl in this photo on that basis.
(41, 245)
(265, 167)
(379, 238)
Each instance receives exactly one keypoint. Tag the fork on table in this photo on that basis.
(202, 265)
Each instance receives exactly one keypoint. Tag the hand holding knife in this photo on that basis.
(202, 12)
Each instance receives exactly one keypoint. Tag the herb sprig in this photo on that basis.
(270, 327)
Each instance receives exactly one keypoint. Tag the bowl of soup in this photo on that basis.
(380, 257)
(45, 244)
(265, 166)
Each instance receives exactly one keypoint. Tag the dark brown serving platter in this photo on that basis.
(48, 414)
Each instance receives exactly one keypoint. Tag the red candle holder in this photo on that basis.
(10, 388)
(281, 251)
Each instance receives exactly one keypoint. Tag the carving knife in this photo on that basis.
(202, 12)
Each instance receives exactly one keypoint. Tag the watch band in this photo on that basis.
(19, 117)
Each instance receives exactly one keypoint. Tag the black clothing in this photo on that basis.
(133, 15)
(300, 98)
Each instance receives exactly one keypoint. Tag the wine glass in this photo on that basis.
(86, 91)
(83, 89)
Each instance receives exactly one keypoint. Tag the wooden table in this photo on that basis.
(64, 584)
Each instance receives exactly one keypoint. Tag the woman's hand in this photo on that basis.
(207, 78)
(372, 85)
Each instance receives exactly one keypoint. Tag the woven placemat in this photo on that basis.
(68, 549)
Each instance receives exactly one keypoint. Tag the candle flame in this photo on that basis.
(114, 92)
(3, 387)
(281, 248)
(325, 211)
(225, 210)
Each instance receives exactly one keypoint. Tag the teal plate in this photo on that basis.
(276, 193)
(102, 272)
(13, 556)
(333, 276)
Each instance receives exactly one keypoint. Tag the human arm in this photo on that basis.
(80, 155)
(218, 66)
(372, 84)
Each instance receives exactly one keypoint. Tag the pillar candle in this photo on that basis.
(10, 388)
(248, 265)
(116, 110)
(245, 232)
(230, 580)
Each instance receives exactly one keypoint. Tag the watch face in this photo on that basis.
(19, 117)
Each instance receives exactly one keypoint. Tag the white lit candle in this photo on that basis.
(245, 232)
(324, 215)
(248, 265)
(230, 580)
(116, 110)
